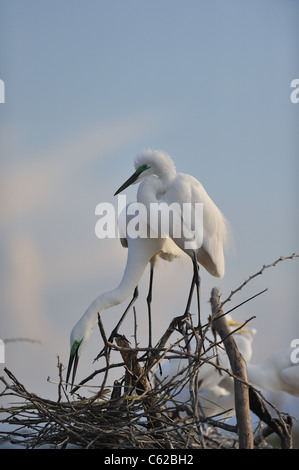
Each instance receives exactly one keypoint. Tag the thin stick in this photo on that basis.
(258, 273)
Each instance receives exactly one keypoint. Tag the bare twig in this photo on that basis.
(258, 273)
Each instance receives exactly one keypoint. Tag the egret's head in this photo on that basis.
(147, 163)
(77, 342)
(141, 172)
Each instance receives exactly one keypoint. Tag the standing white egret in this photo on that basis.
(160, 183)
(141, 251)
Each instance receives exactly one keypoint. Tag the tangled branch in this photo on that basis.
(139, 410)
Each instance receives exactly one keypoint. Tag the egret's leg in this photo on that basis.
(187, 310)
(181, 318)
(115, 330)
(149, 301)
(197, 283)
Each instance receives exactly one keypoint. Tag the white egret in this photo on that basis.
(141, 251)
(160, 183)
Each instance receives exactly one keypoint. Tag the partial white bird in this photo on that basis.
(216, 388)
(141, 251)
(160, 183)
(277, 373)
(217, 396)
(210, 375)
(219, 399)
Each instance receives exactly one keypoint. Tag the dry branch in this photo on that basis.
(238, 368)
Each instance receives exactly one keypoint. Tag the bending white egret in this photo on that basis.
(141, 251)
(160, 183)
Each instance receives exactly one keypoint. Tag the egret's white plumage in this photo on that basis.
(277, 372)
(216, 387)
(159, 182)
(210, 375)
(219, 399)
(218, 396)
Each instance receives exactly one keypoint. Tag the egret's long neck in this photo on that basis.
(140, 251)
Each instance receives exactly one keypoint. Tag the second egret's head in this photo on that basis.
(73, 360)
(78, 339)
(239, 327)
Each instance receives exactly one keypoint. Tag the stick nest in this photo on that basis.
(138, 411)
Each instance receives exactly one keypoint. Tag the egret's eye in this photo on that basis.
(76, 345)
(142, 168)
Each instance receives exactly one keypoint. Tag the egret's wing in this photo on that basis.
(212, 229)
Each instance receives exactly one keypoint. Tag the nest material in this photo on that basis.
(133, 414)
(125, 422)
(136, 412)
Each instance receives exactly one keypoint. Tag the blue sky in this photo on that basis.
(88, 84)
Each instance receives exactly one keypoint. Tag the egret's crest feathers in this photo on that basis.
(158, 160)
